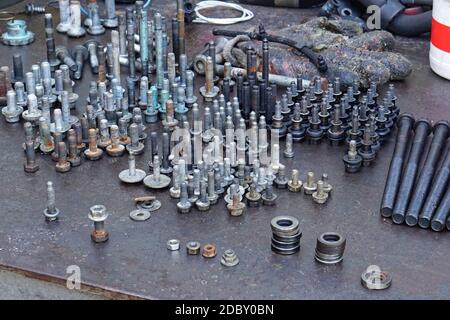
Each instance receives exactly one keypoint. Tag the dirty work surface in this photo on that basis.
(135, 259)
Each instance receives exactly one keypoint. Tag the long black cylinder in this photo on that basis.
(442, 214)
(405, 124)
(421, 132)
(438, 189)
(440, 134)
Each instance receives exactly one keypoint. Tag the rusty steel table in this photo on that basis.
(135, 261)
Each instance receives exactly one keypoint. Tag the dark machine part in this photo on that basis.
(421, 132)
(440, 135)
(442, 214)
(316, 59)
(405, 125)
(396, 15)
(285, 3)
(436, 193)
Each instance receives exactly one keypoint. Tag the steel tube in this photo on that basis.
(421, 131)
(442, 214)
(436, 193)
(405, 124)
(440, 134)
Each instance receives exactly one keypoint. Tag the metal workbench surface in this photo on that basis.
(135, 260)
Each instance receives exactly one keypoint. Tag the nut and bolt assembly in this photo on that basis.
(98, 215)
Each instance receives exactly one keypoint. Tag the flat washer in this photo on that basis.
(150, 206)
(140, 215)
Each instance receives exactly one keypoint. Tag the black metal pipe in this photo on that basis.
(442, 214)
(265, 61)
(175, 39)
(436, 193)
(440, 135)
(422, 129)
(405, 124)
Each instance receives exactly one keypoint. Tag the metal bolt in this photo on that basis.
(80, 54)
(74, 153)
(62, 165)
(288, 152)
(33, 113)
(115, 149)
(352, 159)
(98, 215)
(51, 213)
(93, 152)
(75, 29)
(184, 206)
(156, 180)
(46, 145)
(132, 175)
(64, 16)
(209, 91)
(294, 184)
(111, 20)
(12, 111)
(268, 196)
(95, 28)
(63, 55)
(320, 196)
(30, 165)
(236, 207)
(310, 185)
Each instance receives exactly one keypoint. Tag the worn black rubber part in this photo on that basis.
(405, 124)
(421, 131)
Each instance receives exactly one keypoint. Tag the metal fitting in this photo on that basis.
(376, 279)
(111, 20)
(209, 91)
(295, 184)
(229, 258)
(62, 165)
(209, 251)
(98, 215)
(95, 27)
(17, 34)
(64, 16)
(75, 29)
(286, 235)
(193, 248)
(330, 248)
(156, 180)
(320, 196)
(184, 205)
(51, 213)
(132, 175)
(310, 186)
(352, 160)
(12, 111)
(173, 245)
(93, 152)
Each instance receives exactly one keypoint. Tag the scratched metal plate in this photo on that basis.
(135, 260)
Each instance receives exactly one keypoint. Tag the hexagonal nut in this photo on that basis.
(193, 247)
(229, 258)
(173, 244)
(209, 251)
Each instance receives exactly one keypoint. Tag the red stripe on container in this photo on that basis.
(440, 35)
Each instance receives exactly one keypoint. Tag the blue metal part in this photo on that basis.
(17, 34)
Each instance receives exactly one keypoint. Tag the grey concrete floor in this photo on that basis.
(14, 286)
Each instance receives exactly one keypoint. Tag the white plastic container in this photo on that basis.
(440, 38)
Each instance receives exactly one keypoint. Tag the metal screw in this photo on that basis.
(98, 215)
(51, 213)
(62, 165)
(30, 165)
(320, 196)
(111, 20)
(64, 16)
(310, 186)
(93, 152)
(132, 175)
(184, 206)
(95, 28)
(294, 184)
(156, 180)
(288, 152)
(209, 91)
(115, 149)
(75, 29)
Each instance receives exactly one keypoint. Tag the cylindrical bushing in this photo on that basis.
(286, 235)
(330, 248)
(442, 214)
(405, 124)
(440, 135)
(438, 189)
(421, 131)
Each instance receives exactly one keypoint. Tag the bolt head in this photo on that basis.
(139, 149)
(309, 190)
(294, 187)
(125, 176)
(93, 156)
(184, 207)
(116, 151)
(31, 168)
(111, 23)
(97, 213)
(320, 199)
(51, 216)
(76, 32)
(96, 30)
(62, 166)
(75, 161)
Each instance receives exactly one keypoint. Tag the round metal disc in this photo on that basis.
(164, 181)
(150, 205)
(125, 176)
(140, 215)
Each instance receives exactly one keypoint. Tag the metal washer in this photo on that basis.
(149, 206)
(376, 280)
(140, 215)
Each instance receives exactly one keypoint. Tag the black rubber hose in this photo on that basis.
(442, 214)
(440, 135)
(405, 124)
(421, 131)
(437, 191)
(411, 25)
(402, 24)
(315, 58)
